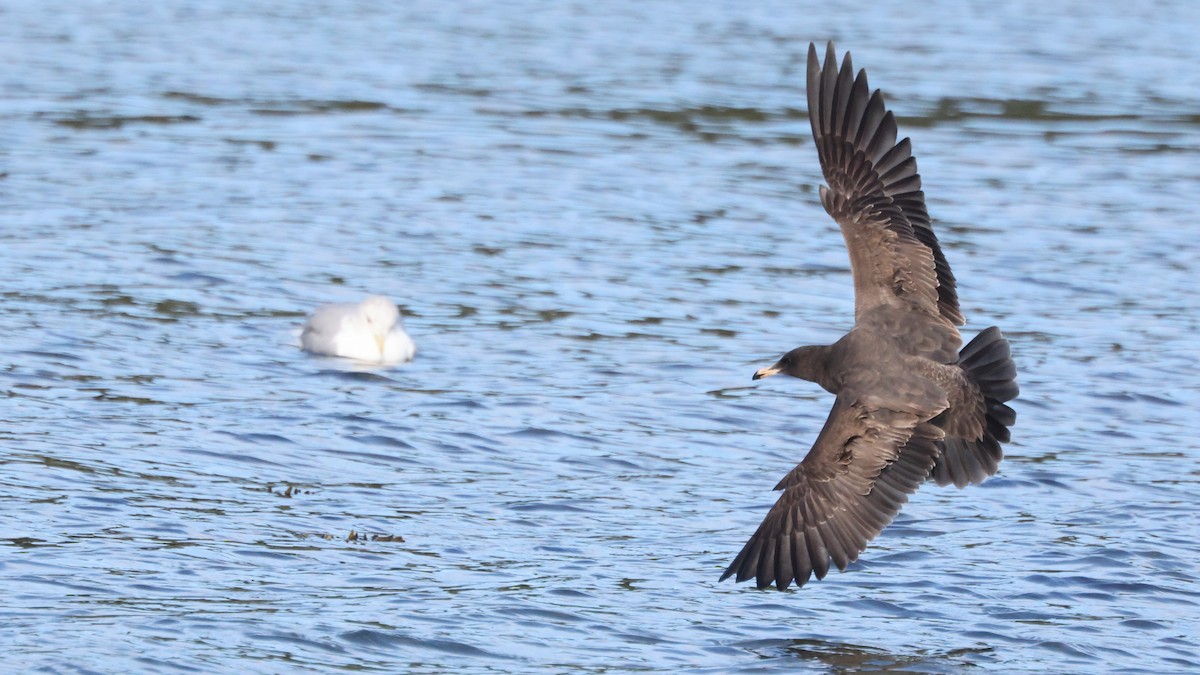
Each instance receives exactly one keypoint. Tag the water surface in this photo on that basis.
(599, 219)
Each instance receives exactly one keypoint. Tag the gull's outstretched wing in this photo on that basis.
(874, 194)
(852, 483)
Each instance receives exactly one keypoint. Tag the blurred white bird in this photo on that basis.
(370, 330)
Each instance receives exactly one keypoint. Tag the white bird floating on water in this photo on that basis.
(370, 330)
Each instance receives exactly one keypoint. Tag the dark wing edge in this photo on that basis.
(873, 181)
(849, 487)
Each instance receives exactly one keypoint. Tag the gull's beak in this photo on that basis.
(766, 372)
(380, 340)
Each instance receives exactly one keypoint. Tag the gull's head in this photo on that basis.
(781, 366)
(798, 363)
(381, 315)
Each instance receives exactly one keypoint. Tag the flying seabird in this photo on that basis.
(370, 330)
(909, 405)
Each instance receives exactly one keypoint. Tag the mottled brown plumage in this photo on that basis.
(909, 405)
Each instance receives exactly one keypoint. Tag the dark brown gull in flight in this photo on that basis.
(909, 405)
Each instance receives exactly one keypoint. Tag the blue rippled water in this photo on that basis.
(599, 220)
